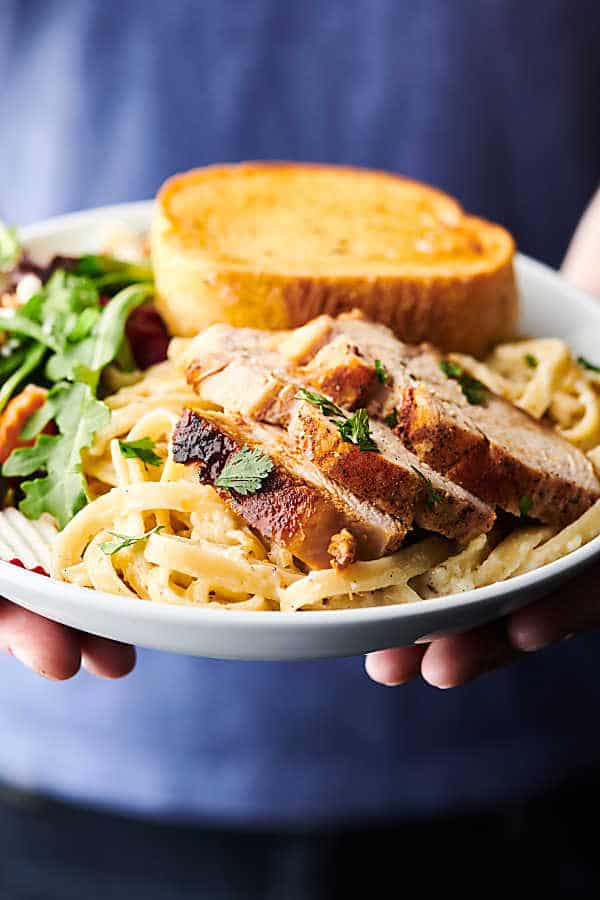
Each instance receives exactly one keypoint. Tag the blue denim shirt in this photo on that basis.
(495, 101)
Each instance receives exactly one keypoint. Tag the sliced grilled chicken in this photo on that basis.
(493, 449)
(296, 507)
(392, 479)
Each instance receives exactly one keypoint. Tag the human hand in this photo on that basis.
(57, 652)
(454, 660)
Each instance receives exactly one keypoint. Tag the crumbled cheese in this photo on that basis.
(28, 285)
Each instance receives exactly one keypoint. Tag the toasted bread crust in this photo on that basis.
(240, 244)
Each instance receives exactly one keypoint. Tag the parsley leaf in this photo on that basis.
(433, 496)
(142, 450)
(392, 420)
(383, 375)
(474, 390)
(326, 406)
(450, 369)
(586, 364)
(355, 430)
(525, 504)
(245, 471)
(10, 248)
(531, 360)
(61, 491)
(124, 540)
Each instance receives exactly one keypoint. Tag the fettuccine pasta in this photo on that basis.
(196, 551)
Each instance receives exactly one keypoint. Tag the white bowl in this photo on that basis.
(551, 307)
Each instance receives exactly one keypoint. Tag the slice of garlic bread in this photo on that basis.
(272, 245)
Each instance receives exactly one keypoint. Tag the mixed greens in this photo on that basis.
(61, 338)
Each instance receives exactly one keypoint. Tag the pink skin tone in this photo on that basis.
(58, 652)
(452, 661)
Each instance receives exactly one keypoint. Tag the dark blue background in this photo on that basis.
(494, 100)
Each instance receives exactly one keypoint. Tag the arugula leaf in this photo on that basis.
(586, 364)
(326, 406)
(10, 248)
(531, 360)
(245, 471)
(37, 422)
(9, 363)
(355, 430)
(474, 390)
(142, 450)
(383, 375)
(83, 325)
(433, 496)
(31, 360)
(17, 323)
(108, 272)
(525, 504)
(392, 420)
(62, 490)
(101, 347)
(124, 540)
(124, 358)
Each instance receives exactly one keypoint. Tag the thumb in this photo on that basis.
(581, 265)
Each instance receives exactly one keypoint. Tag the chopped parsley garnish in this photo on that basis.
(433, 496)
(392, 420)
(326, 406)
(122, 541)
(452, 370)
(383, 375)
(525, 504)
(353, 429)
(245, 471)
(586, 364)
(474, 390)
(142, 450)
(531, 360)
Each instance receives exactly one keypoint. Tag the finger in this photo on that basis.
(397, 666)
(573, 608)
(106, 658)
(458, 658)
(581, 262)
(46, 647)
